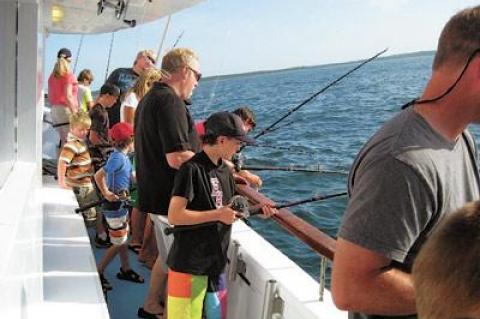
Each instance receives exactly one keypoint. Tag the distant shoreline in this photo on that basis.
(393, 56)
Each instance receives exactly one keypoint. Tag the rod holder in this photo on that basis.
(323, 270)
(237, 265)
(273, 304)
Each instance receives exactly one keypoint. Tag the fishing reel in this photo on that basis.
(240, 204)
(238, 160)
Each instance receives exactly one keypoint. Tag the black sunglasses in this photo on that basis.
(150, 58)
(198, 75)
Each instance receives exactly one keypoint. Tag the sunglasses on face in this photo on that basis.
(197, 74)
(149, 58)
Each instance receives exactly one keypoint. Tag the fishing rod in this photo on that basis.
(292, 168)
(264, 131)
(240, 205)
(178, 39)
(273, 129)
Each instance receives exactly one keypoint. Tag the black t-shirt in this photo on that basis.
(162, 125)
(100, 122)
(206, 186)
(124, 78)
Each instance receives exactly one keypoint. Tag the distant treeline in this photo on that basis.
(394, 56)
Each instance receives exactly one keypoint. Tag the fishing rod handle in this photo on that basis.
(237, 203)
(88, 206)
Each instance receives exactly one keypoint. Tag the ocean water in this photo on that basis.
(328, 131)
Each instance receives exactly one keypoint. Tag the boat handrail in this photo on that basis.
(307, 233)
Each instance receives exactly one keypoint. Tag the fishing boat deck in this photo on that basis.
(71, 284)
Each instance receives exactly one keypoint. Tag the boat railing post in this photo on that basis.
(273, 304)
(323, 270)
(232, 270)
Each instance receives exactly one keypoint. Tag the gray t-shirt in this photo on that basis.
(403, 181)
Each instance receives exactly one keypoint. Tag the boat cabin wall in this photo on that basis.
(21, 106)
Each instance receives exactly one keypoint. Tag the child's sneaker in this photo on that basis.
(102, 243)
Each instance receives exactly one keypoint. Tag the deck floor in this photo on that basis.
(125, 297)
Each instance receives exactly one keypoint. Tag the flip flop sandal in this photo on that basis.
(106, 286)
(130, 275)
(135, 248)
(148, 315)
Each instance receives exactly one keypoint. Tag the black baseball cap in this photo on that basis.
(227, 124)
(64, 53)
(110, 89)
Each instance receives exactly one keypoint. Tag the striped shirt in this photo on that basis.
(79, 165)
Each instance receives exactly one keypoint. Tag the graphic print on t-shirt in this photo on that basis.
(217, 193)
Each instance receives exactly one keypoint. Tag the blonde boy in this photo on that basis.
(75, 169)
(446, 272)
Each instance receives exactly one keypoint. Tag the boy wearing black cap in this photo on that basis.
(202, 191)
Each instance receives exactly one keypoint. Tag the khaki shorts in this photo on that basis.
(61, 114)
(86, 195)
(164, 242)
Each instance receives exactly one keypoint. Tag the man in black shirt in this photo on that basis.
(125, 78)
(165, 138)
(203, 188)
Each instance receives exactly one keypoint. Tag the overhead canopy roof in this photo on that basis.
(86, 16)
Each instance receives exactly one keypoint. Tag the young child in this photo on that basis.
(74, 168)
(114, 180)
(85, 99)
(202, 191)
(100, 145)
(446, 271)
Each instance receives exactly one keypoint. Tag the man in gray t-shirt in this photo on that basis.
(418, 167)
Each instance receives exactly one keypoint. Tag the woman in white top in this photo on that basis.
(137, 92)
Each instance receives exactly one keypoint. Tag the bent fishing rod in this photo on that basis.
(271, 126)
(240, 204)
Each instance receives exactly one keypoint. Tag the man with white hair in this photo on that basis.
(165, 138)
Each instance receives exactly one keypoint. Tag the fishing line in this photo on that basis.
(290, 112)
(212, 95)
(291, 149)
(449, 90)
(293, 168)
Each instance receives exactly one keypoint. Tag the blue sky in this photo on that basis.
(233, 36)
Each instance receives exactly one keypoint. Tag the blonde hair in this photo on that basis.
(61, 68)
(446, 272)
(178, 58)
(145, 82)
(147, 53)
(80, 119)
(459, 38)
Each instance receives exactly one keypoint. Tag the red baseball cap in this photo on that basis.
(121, 131)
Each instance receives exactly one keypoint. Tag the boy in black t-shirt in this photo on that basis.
(201, 194)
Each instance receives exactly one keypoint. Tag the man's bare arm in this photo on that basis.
(363, 282)
(176, 159)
